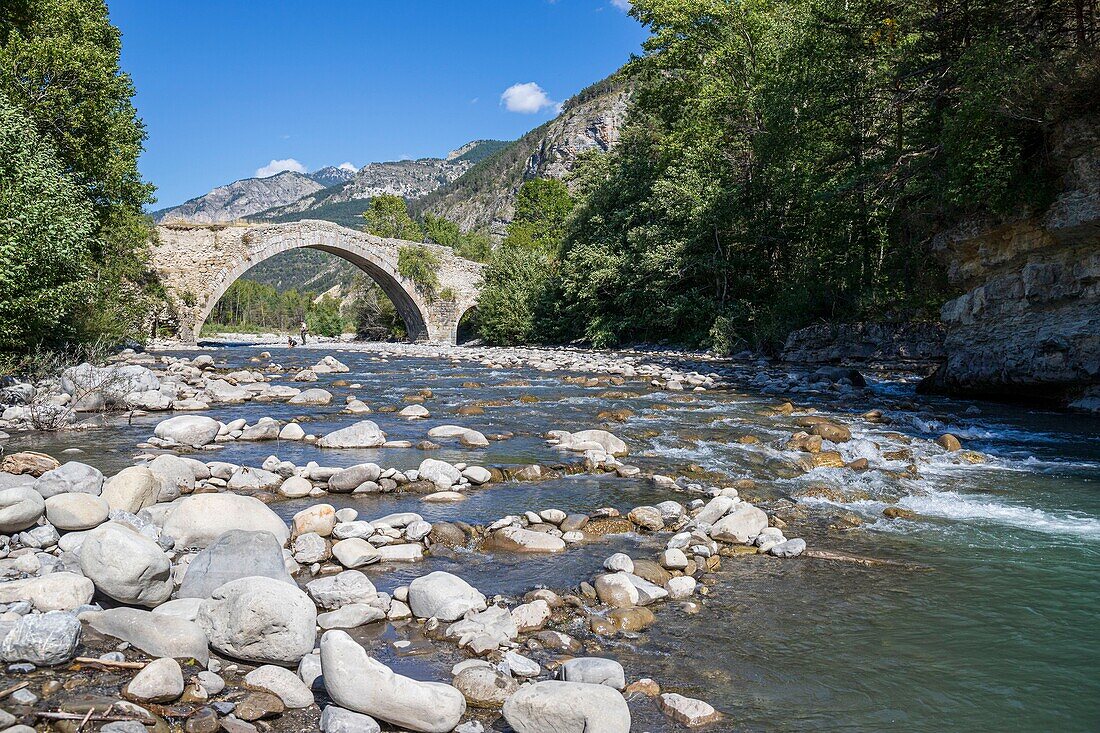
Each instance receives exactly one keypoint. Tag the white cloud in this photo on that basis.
(349, 167)
(526, 98)
(278, 166)
(623, 5)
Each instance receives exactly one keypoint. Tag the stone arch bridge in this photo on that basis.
(198, 262)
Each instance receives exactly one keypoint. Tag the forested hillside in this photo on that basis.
(786, 162)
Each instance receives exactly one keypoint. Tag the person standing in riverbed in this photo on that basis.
(303, 329)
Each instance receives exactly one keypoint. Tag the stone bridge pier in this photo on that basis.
(197, 264)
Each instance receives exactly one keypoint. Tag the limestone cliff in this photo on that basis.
(484, 197)
(1028, 325)
(241, 199)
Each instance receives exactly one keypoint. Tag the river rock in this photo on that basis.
(76, 512)
(357, 682)
(319, 519)
(20, 508)
(363, 434)
(616, 590)
(132, 489)
(160, 681)
(587, 439)
(743, 523)
(336, 591)
(43, 639)
(351, 616)
(31, 463)
(485, 687)
(593, 670)
(175, 474)
(54, 592)
(71, 477)
(682, 586)
(355, 552)
(282, 683)
(156, 634)
(687, 710)
(567, 707)
(440, 473)
(444, 596)
(295, 487)
(790, 548)
(200, 519)
(348, 479)
(520, 539)
(292, 431)
(313, 396)
(193, 430)
(233, 555)
(260, 620)
(531, 616)
(338, 720)
(126, 566)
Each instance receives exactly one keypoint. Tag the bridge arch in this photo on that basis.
(198, 263)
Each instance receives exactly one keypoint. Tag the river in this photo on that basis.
(988, 621)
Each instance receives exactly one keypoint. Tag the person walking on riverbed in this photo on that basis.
(303, 329)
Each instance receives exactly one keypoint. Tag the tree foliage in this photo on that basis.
(475, 245)
(388, 216)
(518, 284)
(46, 227)
(421, 265)
(59, 64)
(788, 161)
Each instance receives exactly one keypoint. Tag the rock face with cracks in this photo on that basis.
(567, 707)
(357, 682)
(260, 620)
(199, 520)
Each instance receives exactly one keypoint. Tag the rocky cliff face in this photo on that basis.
(241, 199)
(484, 197)
(1028, 325)
(910, 344)
(409, 179)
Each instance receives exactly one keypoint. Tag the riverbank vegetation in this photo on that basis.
(73, 264)
(787, 162)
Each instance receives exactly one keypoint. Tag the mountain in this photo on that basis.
(332, 175)
(475, 185)
(484, 196)
(241, 199)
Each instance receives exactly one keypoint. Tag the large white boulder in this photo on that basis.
(54, 592)
(567, 707)
(93, 388)
(363, 434)
(155, 634)
(126, 566)
(743, 523)
(75, 512)
(192, 430)
(132, 489)
(20, 508)
(260, 620)
(357, 682)
(175, 474)
(69, 478)
(443, 596)
(200, 519)
(234, 554)
(440, 473)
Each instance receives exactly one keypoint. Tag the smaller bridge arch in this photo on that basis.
(198, 263)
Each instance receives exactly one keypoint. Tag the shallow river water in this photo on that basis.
(988, 622)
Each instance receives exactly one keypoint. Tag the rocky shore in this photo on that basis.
(171, 593)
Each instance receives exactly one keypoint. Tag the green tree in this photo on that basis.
(46, 229)
(388, 216)
(59, 63)
(543, 206)
(475, 245)
(324, 318)
(421, 265)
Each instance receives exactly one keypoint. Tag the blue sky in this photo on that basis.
(227, 87)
